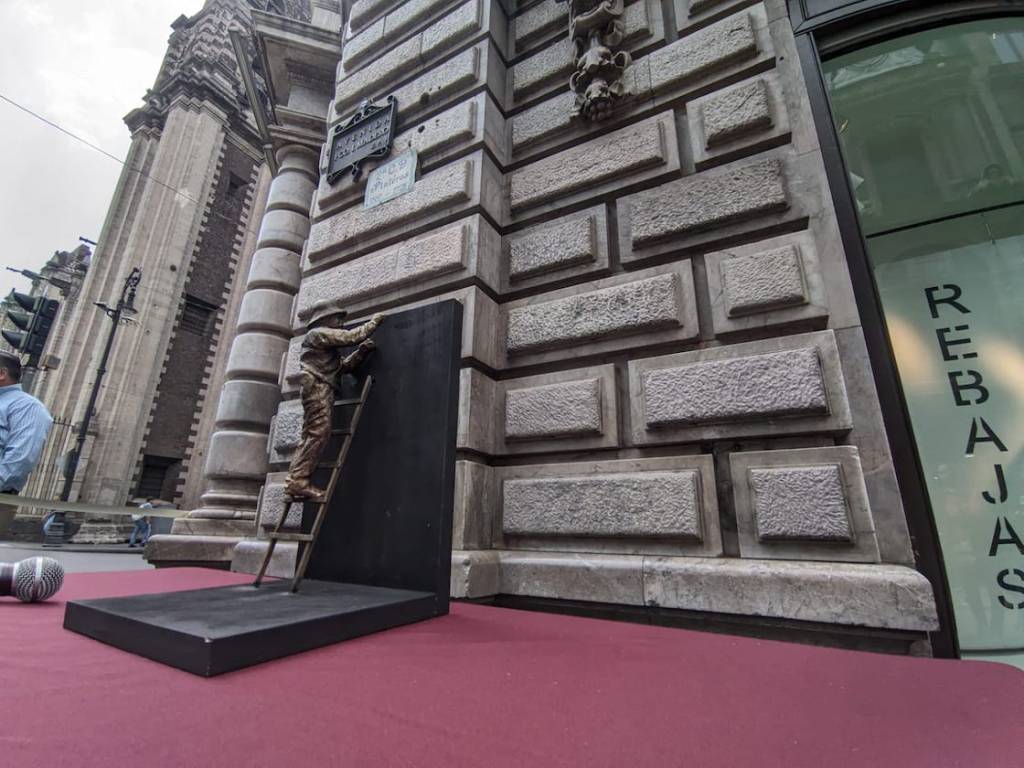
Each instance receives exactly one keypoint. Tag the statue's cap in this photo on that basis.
(320, 312)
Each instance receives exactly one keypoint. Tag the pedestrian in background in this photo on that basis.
(141, 528)
(24, 425)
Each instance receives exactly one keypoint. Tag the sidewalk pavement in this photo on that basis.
(78, 558)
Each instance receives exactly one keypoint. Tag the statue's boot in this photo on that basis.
(302, 489)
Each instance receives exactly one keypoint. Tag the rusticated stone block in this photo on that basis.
(736, 111)
(570, 409)
(602, 316)
(808, 503)
(272, 504)
(641, 504)
(772, 282)
(544, 119)
(467, 247)
(540, 21)
(763, 281)
(547, 66)
(737, 120)
(443, 81)
(702, 201)
(365, 82)
(756, 386)
(449, 189)
(579, 239)
(775, 386)
(459, 25)
(627, 151)
(636, 506)
(365, 11)
(287, 430)
(643, 305)
(716, 47)
(800, 503)
(360, 46)
(470, 19)
(889, 596)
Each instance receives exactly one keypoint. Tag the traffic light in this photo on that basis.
(34, 323)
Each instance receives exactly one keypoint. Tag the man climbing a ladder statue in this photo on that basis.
(321, 365)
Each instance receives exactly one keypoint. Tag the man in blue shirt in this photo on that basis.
(24, 425)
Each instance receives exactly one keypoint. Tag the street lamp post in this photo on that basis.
(54, 536)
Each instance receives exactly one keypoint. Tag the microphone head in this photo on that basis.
(36, 579)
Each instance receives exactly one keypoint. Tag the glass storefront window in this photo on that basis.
(932, 131)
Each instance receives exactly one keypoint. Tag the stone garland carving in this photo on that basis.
(596, 28)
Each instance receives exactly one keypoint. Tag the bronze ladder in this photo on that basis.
(309, 539)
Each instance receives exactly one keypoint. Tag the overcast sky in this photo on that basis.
(83, 65)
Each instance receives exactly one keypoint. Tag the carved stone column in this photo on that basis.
(236, 463)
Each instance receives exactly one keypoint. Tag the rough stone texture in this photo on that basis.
(287, 430)
(570, 409)
(886, 596)
(704, 200)
(763, 281)
(247, 557)
(656, 504)
(272, 504)
(542, 120)
(550, 64)
(437, 253)
(803, 504)
(372, 78)
(365, 11)
(800, 503)
(360, 46)
(564, 244)
(440, 36)
(456, 26)
(409, 13)
(442, 81)
(751, 387)
(451, 185)
(612, 156)
(539, 21)
(643, 305)
(749, 294)
(736, 111)
(716, 47)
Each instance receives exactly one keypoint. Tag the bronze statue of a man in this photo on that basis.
(320, 365)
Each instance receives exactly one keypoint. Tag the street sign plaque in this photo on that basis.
(368, 134)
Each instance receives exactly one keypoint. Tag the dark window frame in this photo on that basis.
(812, 33)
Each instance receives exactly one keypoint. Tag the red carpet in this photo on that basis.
(493, 687)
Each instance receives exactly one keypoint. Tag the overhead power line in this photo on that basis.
(104, 152)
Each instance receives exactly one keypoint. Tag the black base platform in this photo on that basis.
(211, 631)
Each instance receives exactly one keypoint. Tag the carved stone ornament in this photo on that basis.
(596, 28)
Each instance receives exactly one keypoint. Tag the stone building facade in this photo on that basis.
(186, 212)
(677, 394)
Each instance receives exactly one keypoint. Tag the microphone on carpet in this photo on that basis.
(31, 580)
